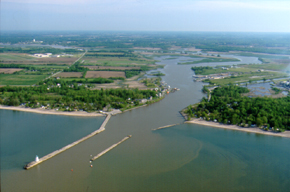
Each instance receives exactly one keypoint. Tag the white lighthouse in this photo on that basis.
(36, 159)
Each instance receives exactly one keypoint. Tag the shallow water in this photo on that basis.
(185, 157)
(260, 89)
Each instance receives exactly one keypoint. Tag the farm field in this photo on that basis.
(113, 68)
(11, 79)
(9, 70)
(70, 74)
(22, 58)
(272, 66)
(105, 74)
(15, 57)
(115, 61)
(37, 61)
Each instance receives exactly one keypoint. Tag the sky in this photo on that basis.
(146, 15)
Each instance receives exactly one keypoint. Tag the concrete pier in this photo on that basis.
(110, 148)
(50, 155)
(166, 126)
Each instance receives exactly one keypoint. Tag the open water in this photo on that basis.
(185, 157)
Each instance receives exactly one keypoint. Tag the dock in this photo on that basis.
(163, 127)
(50, 155)
(110, 148)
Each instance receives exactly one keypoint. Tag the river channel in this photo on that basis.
(184, 157)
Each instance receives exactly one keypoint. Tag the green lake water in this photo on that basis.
(185, 157)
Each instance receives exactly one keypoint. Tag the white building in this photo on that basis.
(42, 55)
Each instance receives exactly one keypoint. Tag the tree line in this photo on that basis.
(228, 106)
(71, 96)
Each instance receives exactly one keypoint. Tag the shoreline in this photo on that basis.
(52, 112)
(237, 128)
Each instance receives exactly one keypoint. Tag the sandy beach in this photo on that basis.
(234, 127)
(52, 112)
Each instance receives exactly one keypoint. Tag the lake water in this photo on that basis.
(185, 157)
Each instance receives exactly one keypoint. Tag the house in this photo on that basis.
(143, 100)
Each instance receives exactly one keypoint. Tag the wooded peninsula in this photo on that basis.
(227, 105)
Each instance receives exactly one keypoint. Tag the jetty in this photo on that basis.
(110, 148)
(166, 126)
(50, 155)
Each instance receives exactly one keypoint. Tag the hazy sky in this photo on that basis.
(147, 15)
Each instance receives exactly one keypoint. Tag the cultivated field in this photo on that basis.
(21, 58)
(70, 74)
(105, 74)
(113, 68)
(15, 57)
(9, 79)
(9, 70)
(115, 61)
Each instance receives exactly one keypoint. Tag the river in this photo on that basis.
(185, 157)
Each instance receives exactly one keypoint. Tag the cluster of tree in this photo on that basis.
(200, 70)
(68, 82)
(228, 106)
(71, 96)
(131, 73)
(76, 68)
(157, 74)
(277, 90)
(95, 80)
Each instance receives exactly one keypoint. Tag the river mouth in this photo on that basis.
(184, 157)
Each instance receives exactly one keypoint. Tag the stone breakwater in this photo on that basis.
(50, 155)
(163, 127)
(110, 148)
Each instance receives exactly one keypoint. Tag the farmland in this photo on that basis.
(20, 58)
(12, 79)
(105, 74)
(9, 70)
(15, 57)
(70, 74)
(109, 68)
(123, 59)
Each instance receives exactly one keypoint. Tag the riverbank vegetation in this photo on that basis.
(227, 105)
(70, 96)
(210, 60)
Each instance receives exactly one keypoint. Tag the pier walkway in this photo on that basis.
(50, 155)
